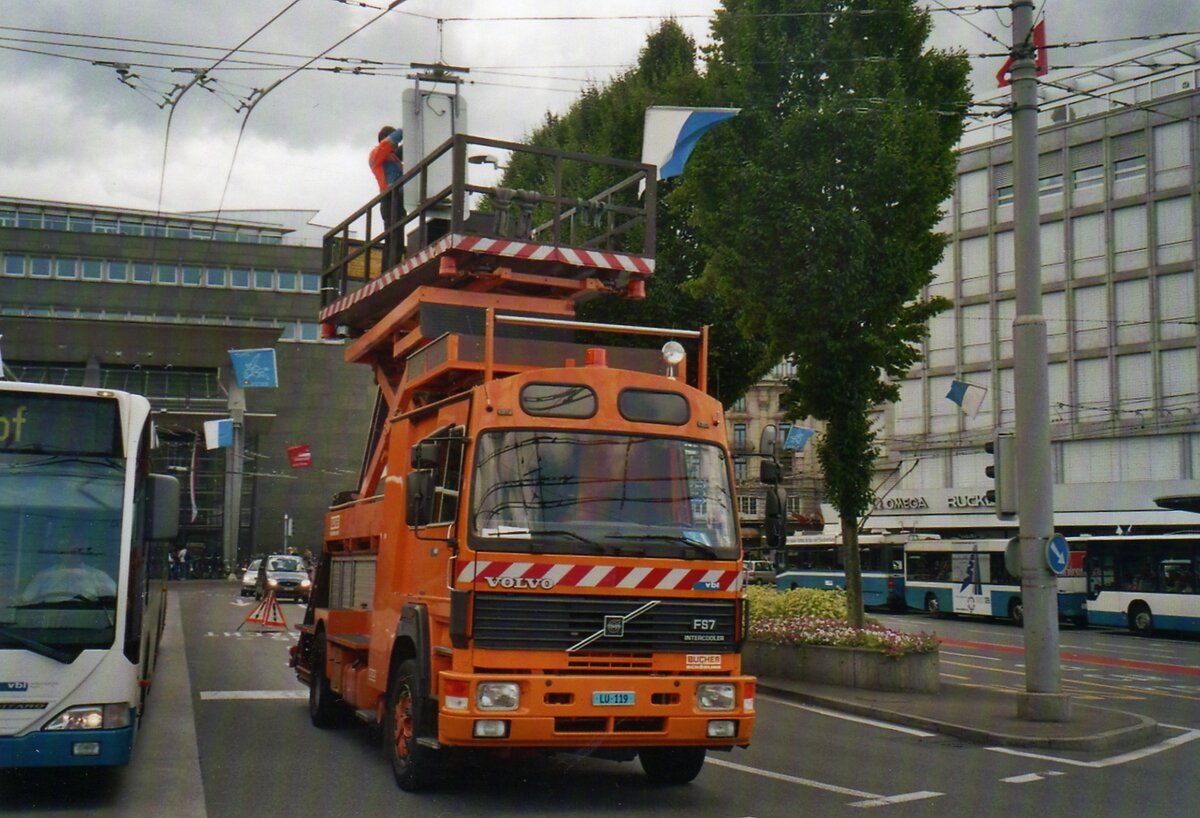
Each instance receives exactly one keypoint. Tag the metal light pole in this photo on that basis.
(1043, 699)
(234, 466)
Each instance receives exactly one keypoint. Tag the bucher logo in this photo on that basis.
(520, 582)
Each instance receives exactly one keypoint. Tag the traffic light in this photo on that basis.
(1003, 470)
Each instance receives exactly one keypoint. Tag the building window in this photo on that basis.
(214, 277)
(1176, 306)
(1084, 178)
(1091, 318)
(166, 274)
(1173, 230)
(739, 436)
(287, 281)
(1132, 168)
(1132, 302)
(747, 506)
(310, 283)
(1050, 185)
(118, 271)
(39, 267)
(310, 332)
(14, 266)
(1172, 155)
(976, 266)
(264, 280)
(973, 199)
(192, 276)
(239, 279)
(740, 472)
(1129, 238)
(1089, 247)
(142, 273)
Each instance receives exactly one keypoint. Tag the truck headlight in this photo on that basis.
(91, 717)
(497, 695)
(715, 696)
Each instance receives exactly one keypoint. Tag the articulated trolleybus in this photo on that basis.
(1143, 582)
(82, 593)
(970, 577)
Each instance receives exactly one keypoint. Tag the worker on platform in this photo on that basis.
(387, 166)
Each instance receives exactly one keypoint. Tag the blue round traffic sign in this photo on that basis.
(1057, 554)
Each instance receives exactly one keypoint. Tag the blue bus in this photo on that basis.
(817, 561)
(1143, 582)
(82, 587)
(970, 577)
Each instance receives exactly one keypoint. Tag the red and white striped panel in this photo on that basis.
(543, 576)
(371, 287)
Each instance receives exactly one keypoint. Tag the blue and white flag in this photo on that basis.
(255, 367)
(968, 396)
(670, 134)
(797, 436)
(218, 434)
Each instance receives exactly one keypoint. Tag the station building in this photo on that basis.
(1117, 165)
(152, 303)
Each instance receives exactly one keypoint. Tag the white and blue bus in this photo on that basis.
(1143, 582)
(82, 589)
(818, 561)
(970, 577)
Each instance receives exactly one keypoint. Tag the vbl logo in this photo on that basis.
(13, 687)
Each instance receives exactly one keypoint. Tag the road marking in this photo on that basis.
(1123, 758)
(1022, 779)
(251, 695)
(870, 799)
(971, 656)
(849, 717)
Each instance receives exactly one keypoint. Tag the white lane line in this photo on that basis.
(971, 656)
(251, 695)
(870, 799)
(849, 717)
(1022, 779)
(1123, 758)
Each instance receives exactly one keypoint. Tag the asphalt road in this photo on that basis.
(227, 736)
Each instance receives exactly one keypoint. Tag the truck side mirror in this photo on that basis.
(775, 521)
(425, 455)
(419, 498)
(766, 441)
(769, 473)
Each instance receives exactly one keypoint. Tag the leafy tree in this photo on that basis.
(817, 208)
(608, 121)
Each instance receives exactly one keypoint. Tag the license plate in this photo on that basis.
(604, 698)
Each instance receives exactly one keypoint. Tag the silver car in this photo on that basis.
(250, 578)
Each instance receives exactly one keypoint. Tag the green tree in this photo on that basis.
(608, 121)
(817, 208)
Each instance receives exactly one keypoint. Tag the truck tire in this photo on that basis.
(413, 766)
(324, 710)
(672, 765)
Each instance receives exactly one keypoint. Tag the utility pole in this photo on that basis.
(1043, 699)
(234, 467)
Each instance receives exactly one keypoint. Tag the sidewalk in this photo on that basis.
(977, 714)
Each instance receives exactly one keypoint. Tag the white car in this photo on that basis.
(250, 578)
(758, 572)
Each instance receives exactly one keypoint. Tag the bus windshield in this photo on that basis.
(542, 491)
(60, 535)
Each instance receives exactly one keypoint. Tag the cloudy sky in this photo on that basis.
(82, 103)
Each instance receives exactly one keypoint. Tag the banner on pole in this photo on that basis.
(300, 457)
(255, 367)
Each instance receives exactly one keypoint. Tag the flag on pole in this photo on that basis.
(1039, 46)
(670, 134)
(218, 434)
(797, 436)
(192, 475)
(968, 396)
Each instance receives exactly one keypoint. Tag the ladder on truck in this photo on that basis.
(475, 256)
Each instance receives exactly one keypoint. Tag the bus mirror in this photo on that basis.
(1012, 557)
(769, 473)
(419, 498)
(775, 522)
(766, 441)
(162, 507)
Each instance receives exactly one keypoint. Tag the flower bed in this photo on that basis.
(803, 634)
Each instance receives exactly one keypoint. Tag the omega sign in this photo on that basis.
(955, 501)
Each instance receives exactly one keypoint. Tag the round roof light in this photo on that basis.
(672, 353)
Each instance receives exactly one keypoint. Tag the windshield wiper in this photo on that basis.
(77, 601)
(695, 545)
(49, 651)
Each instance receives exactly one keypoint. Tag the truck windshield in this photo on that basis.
(60, 535)
(541, 491)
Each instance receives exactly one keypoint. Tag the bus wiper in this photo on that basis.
(49, 651)
(696, 545)
(77, 601)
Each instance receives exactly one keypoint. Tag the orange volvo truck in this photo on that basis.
(543, 549)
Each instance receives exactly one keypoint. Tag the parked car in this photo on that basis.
(285, 574)
(250, 578)
(758, 572)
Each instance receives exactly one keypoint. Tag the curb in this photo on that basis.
(1144, 730)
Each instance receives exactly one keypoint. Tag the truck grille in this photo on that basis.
(545, 622)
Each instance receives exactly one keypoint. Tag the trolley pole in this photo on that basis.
(1043, 699)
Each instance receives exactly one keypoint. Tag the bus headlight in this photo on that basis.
(91, 717)
(497, 695)
(715, 696)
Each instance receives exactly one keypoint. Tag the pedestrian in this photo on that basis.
(387, 166)
(181, 558)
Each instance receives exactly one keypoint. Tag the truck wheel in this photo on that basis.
(672, 765)
(1016, 611)
(323, 707)
(1141, 621)
(412, 764)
